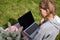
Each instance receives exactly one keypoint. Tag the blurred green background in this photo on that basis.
(13, 9)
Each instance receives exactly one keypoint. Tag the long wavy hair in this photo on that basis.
(48, 4)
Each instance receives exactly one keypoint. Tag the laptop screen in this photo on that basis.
(26, 20)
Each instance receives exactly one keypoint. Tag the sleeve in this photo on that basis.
(40, 35)
(47, 36)
(51, 35)
(43, 34)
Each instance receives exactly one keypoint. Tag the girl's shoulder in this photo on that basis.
(45, 24)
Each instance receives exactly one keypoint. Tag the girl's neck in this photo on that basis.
(51, 17)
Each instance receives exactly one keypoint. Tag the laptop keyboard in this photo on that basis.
(32, 28)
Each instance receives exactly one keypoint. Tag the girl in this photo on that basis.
(50, 26)
(50, 23)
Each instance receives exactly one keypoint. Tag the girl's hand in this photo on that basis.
(42, 20)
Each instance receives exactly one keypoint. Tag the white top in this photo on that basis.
(49, 30)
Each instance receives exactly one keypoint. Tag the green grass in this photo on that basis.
(58, 37)
(13, 9)
(16, 8)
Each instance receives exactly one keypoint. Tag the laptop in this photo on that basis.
(30, 27)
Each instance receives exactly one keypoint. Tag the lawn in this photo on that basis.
(13, 9)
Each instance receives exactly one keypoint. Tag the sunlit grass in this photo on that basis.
(16, 8)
